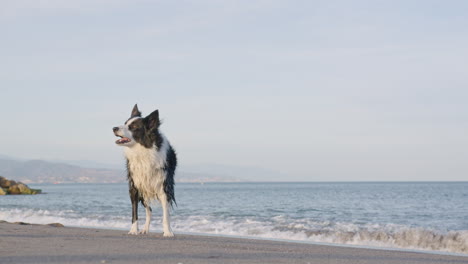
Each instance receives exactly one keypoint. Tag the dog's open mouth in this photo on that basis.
(122, 140)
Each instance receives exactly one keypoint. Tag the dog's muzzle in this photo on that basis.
(123, 140)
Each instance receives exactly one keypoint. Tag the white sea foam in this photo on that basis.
(68, 217)
(278, 227)
(394, 236)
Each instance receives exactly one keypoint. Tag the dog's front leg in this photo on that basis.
(167, 231)
(148, 220)
(134, 199)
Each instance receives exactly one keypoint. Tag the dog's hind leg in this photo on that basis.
(167, 231)
(134, 198)
(148, 219)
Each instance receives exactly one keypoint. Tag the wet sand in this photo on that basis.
(25, 243)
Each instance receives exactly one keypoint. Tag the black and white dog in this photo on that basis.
(151, 164)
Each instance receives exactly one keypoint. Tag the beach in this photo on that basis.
(399, 216)
(30, 243)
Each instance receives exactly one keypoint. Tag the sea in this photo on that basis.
(428, 216)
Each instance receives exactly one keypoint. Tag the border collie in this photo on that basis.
(151, 164)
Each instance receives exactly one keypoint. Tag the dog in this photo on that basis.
(151, 165)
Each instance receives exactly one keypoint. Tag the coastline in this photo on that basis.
(32, 243)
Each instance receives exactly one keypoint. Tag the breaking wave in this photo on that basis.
(278, 227)
(66, 217)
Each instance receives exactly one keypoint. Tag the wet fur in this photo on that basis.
(151, 165)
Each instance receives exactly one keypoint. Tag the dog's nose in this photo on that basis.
(115, 129)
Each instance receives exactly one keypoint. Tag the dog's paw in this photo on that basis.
(134, 229)
(144, 232)
(168, 234)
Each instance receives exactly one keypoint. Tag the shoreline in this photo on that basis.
(34, 243)
(281, 240)
(410, 250)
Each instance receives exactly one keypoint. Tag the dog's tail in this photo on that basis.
(171, 164)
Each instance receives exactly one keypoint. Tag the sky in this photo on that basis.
(314, 90)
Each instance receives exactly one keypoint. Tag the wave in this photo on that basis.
(66, 217)
(375, 235)
(278, 227)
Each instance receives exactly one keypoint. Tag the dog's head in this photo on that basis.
(137, 130)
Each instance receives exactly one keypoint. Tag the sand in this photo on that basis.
(25, 243)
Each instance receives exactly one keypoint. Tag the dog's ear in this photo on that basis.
(152, 120)
(135, 111)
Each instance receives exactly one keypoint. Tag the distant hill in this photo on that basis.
(40, 171)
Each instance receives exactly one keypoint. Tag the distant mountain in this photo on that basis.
(91, 164)
(5, 157)
(40, 171)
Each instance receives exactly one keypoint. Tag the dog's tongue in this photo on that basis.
(123, 140)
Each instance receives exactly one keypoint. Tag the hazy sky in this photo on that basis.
(317, 90)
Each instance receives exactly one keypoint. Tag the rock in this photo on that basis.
(56, 225)
(5, 183)
(12, 187)
(24, 189)
(2, 191)
(21, 188)
(2, 180)
(36, 191)
(14, 190)
(21, 223)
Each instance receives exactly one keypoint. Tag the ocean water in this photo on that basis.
(423, 216)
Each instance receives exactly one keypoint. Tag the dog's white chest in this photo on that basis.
(147, 170)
